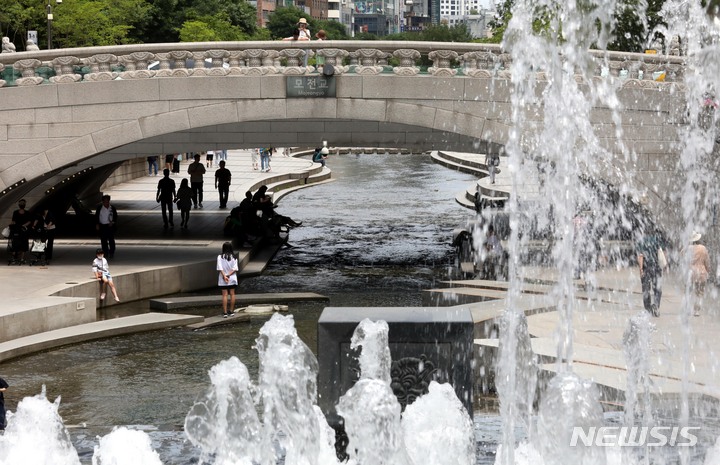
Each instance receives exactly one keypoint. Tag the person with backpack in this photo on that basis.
(319, 156)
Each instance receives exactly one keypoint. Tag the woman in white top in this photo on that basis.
(227, 268)
(304, 35)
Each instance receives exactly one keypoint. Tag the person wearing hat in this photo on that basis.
(699, 270)
(304, 34)
(304, 29)
(101, 270)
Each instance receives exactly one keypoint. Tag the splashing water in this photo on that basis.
(35, 435)
(553, 96)
(125, 447)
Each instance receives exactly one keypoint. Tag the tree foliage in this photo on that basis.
(80, 23)
(632, 30)
(436, 33)
(283, 21)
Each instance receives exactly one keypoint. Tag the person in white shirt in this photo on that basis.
(102, 274)
(227, 268)
(304, 34)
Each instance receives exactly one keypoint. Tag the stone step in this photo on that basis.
(91, 331)
(441, 160)
(241, 300)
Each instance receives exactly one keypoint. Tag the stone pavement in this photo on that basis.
(142, 242)
(150, 261)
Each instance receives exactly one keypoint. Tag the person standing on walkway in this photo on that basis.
(492, 161)
(227, 268)
(3, 388)
(699, 271)
(152, 165)
(255, 158)
(20, 226)
(102, 273)
(106, 224)
(265, 154)
(222, 183)
(165, 197)
(47, 222)
(169, 158)
(196, 170)
(650, 270)
(184, 202)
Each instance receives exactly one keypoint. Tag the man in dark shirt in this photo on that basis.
(105, 223)
(3, 387)
(222, 183)
(196, 170)
(22, 221)
(650, 270)
(166, 196)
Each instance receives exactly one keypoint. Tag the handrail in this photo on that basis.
(448, 59)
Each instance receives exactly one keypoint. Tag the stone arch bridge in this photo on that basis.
(70, 117)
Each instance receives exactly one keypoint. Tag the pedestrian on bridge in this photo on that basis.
(196, 170)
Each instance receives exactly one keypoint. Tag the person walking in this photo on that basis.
(222, 183)
(165, 197)
(699, 271)
(265, 154)
(648, 249)
(106, 224)
(227, 268)
(184, 202)
(196, 170)
(152, 165)
(3, 388)
(102, 273)
(169, 157)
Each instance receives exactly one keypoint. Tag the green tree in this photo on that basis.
(85, 23)
(211, 29)
(19, 16)
(632, 32)
(436, 33)
(334, 29)
(283, 21)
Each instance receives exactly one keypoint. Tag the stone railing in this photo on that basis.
(441, 59)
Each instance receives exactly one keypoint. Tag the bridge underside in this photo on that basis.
(83, 179)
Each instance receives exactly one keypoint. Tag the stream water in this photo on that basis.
(376, 236)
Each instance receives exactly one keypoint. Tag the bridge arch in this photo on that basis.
(50, 132)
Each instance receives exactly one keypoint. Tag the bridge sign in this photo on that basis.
(310, 86)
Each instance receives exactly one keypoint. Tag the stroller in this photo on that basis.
(38, 247)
